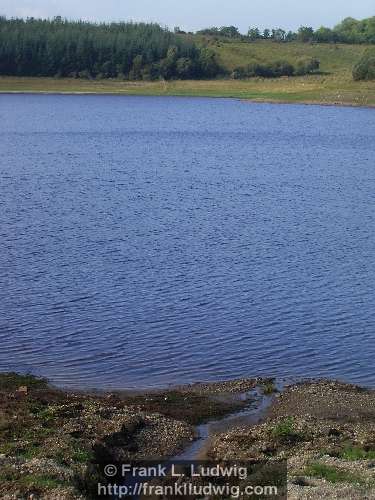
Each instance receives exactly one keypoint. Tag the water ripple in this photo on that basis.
(234, 240)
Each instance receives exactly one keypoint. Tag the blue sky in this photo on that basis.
(196, 14)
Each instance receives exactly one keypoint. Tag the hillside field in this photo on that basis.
(334, 58)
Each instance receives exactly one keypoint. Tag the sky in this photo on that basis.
(192, 15)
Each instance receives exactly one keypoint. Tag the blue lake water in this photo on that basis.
(155, 240)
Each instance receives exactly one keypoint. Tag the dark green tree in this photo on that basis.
(305, 34)
(266, 34)
(57, 47)
(254, 34)
(278, 35)
(230, 32)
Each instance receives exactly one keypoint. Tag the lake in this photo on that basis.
(148, 241)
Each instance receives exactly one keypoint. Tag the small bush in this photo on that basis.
(285, 431)
(268, 387)
(284, 428)
(307, 66)
(365, 68)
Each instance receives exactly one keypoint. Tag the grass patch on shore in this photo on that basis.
(354, 452)
(39, 481)
(12, 381)
(285, 431)
(313, 89)
(332, 474)
(357, 453)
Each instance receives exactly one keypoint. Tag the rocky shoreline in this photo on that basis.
(50, 438)
(325, 430)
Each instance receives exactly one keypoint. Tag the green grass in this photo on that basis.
(41, 482)
(12, 381)
(285, 432)
(334, 58)
(333, 475)
(82, 456)
(358, 453)
(352, 453)
(284, 428)
(337, 89)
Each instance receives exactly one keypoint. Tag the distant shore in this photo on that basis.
(52, 440)
(314, 89)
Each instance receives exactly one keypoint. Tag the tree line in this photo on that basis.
(140, 51)
(57, 47)
(350, 30)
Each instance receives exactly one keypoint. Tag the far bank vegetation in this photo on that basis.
(139, 51)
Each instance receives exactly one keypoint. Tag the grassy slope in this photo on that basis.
(333, 86)
(333, 58)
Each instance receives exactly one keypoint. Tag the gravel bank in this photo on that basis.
(326, 431)
(49, 437)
